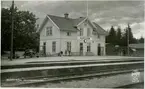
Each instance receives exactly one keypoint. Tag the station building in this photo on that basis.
(77, 36)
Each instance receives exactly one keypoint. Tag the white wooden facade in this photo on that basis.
(58, 40)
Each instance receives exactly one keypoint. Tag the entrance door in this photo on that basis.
(99, 50)
(81, 48)
(44, 48)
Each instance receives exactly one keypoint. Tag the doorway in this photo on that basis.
(99, 49)
(81, 48)
(44, 48)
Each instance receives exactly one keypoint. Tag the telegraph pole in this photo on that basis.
(12, 27)
(128, 39)
(87, 8)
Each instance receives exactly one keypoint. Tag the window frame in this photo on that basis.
(88, 32)
(98, 36)
(49, 31)
(68, 46)
(54, 46)
(89, 47)
(68, 33)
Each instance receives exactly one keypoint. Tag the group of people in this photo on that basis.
(67, 53)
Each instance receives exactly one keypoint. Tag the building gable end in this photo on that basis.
(44, 22)
(53, 22)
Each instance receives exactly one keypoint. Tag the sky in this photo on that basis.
(106, 13)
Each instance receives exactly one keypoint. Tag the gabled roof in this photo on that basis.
(100, 30)
(66, 23)
(141, 45)
(69, 24)
(78, 20)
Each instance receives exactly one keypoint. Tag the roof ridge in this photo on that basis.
(59, 16)
(99, 26)
(101, 29)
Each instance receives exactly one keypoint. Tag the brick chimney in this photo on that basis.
(66, 15)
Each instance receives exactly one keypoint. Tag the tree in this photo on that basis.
(125, 38)
(5, 31)
(25, 36)
(129, 32)
(111, 38)
(118, 36)
(141, 40)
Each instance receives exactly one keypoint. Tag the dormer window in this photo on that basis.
(48, 31)
(81, 31)
(68, 34)
(94, 33)
(88, 32)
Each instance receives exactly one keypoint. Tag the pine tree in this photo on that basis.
(118, 36)
(111, 38)
(124, 38)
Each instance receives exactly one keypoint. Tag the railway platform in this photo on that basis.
(65, 58)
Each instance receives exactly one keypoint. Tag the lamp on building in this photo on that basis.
(91, 39)
(85, 40)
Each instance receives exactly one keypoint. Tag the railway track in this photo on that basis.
(66, 73)
(50, 79)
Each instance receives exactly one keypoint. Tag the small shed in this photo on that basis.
(138, 49)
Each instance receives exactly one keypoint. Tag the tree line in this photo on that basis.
(119, 37)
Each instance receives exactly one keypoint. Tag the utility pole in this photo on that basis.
(87, 19)
(87, 8)
(12, 27)
(128, 39)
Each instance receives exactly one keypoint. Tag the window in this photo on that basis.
(98, 36)
(53, 46)
(81, 32)
(94, 32)
(99, 44)
(48, 31)
(81, 46)
(89, 47)
(44, 43)
(88, 32)
(69, 46)
(68, 34)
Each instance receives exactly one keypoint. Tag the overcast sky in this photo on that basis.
(105, 13)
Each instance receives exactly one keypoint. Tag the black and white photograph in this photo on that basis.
(72, 44)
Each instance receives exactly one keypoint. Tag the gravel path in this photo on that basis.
(103, 82)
